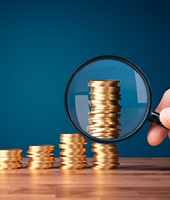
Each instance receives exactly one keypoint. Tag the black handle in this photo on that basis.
(154, 117)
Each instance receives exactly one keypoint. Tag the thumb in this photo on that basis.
(165, 117)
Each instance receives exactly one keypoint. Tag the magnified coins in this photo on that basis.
(132, 91)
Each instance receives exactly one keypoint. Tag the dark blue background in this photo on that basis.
(42, 42)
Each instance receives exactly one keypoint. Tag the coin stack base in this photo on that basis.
(106, 156)
(104, 121)
(41, 157)
(72, 153)
(10, 158)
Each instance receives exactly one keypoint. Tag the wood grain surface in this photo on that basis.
(135, 178)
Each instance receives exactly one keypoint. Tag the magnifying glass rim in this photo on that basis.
(100, 140)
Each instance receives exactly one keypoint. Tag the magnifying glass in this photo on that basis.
(135, 98)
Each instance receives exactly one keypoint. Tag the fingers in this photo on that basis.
(165, 117)
(158, 133)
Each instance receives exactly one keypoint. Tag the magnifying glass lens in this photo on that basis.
(121, 95)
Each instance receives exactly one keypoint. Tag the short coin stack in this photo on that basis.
(72, 152)
(41, 157)
(9, 158)
(104, 121)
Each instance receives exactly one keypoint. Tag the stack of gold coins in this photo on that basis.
(41, 157)
(104, 121)
(72, 152)
(10, 158)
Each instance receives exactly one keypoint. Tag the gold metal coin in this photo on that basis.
(34, 166)
(103, 130)
(10, 165)
(43, 151)
(106, 161)
(103, 146)
(73, 159)
(42, 159)
(72, 141)
(12, 159)
(106, 119)
(72, 152)
(105, 115)
(111, 135)
(105, 156)
(10, 152)
(71, 146)
(104, 123)
(101, 97)
(113, 166)
(41, 147)
(70, 135)
(105, 110)
(72, 162)
(105, 90)
(32, 154)
(103, 151)
(98, 102)
(81, 166)
(98, 83)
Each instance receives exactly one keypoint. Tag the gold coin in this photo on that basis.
(105, 90)
(10, 152)
(72, 162)
(106, 161)
(79, 166)
(16, 158)
(107, 107)
(34, 166)
(103, 102)
(105, 156)
(42, 159)
(103, 151)
(70, 135)
(101, 97)
(40, 162)
(103, 146)
(71, 146)
(104, 83)
(11, 165)
(112, 135)
(39, 155)
(105, 167)
(105, 116)
(41, 147)
(73, 141)
(103, 130)
(112, 132)
(104, 123)
(105, 119)
(73, 151)
(40, 151)
(105, 110)
(105, 127)
(67, 159)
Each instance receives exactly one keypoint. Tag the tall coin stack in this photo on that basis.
(9, 158)
(72, 152)
(41, 157)
(104, 121)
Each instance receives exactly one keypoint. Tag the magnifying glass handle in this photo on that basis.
(154, 117)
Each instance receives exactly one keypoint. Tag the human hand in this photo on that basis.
(156, 132)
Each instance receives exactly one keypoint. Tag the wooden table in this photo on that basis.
(135, 178)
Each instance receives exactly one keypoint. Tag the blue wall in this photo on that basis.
(42, 42)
